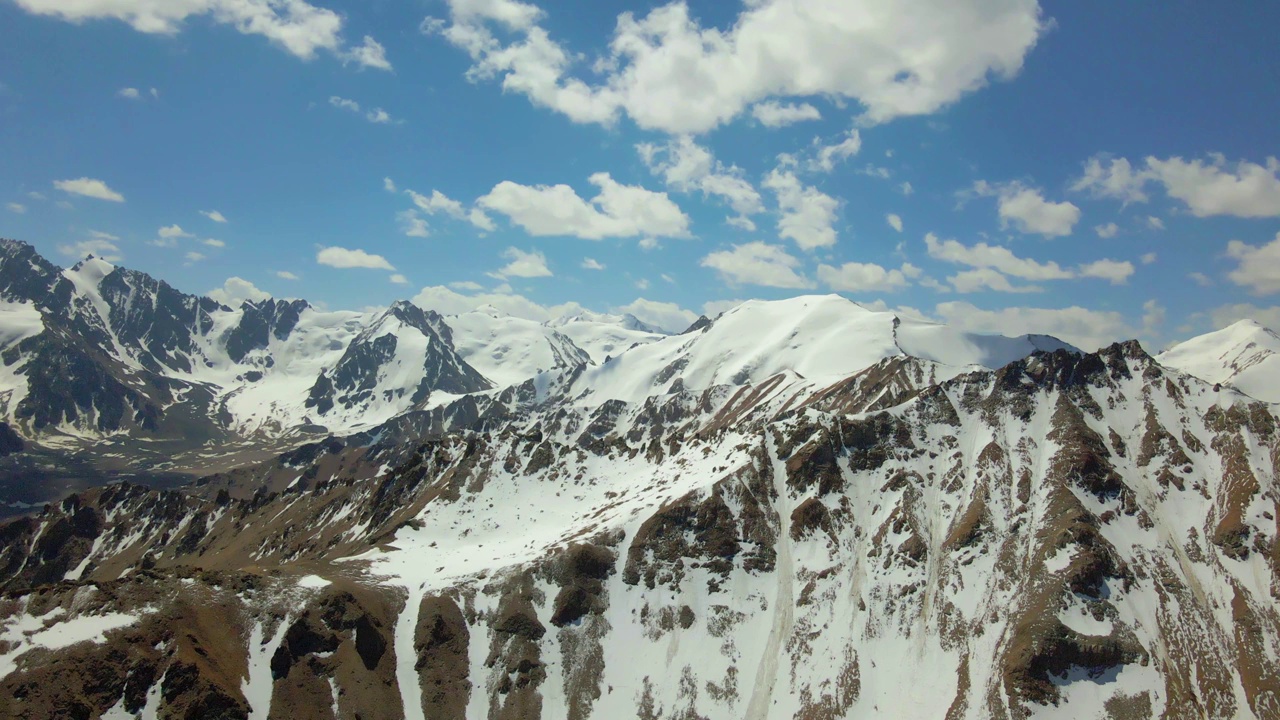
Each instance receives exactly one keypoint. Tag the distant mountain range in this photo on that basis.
(797, 509)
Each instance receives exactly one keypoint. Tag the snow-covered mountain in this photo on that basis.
(795, 510)
(1245, 355)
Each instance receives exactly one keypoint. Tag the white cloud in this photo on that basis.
(155, 93)
(1107, 231)
(808, 214)
(398, 279)
(994, 257)
(477, 217)
(214, 215)
(173, 232)
(193, 257)
(829, 155)
(662, 315)
(906, 188)
(447, 301)
(466, 286)
(1248, 190)
(1153, 316)
(617, 211)
(378, 116)
(667, 72)
(980, 279)
(98, 247)
(1086, 329)
(286, 275)
(18, 208)
(412, 224)
(1201, 279)
(667, 278)
(532, 264)
(1231, 314)
(757, 263)
(1155, 223)
(688, 167)
(1259, 267)
(774, 114)
(295, 25)
(862, 277)
(339, 257)
(991, 263)
(1208, 188)
(129, 93)
(236, 291)
(1115, 178)
(642, 284)
(99, 235)
(36, 196)
(714, 308)
(370, 54)
(90, 188)
(894, 221)
(1148, 258)
(648, 244)
(389, 185)
(591, 264)
(1114, 271)
(437, 202)
(213, 243)
(1027, 210)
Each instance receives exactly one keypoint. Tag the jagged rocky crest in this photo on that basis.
(682, 533)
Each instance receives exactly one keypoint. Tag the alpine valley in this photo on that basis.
(798, 509)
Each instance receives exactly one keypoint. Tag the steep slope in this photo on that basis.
(509, 350)
(1245, 355)
(1068, 536)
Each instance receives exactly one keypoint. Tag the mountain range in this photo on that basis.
(797, 509)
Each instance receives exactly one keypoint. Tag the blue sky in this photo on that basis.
(1087, 169)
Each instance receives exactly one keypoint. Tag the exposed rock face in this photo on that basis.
(1092, 535)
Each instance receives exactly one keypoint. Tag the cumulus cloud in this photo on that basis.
(863, 277)
(339, 257)
(531, 264)
(1086, 329)
(286, 275)
(214, 243)
(17, 208)
(1201, 279)
(214, 215)
(295, 25)
(773, 114)
(377, 116)
(1028, 211)
(412, 224)
(757, 263)
(193, 257)
(449, 301)
(662, 315)
(591, 264)
(129, 93)
(894, 221)
(389, 185)
(1226, 315)
(97, 247)
(1258, 268)
(370, 54)
(398, 279)
(991, 264)
(616, 211)
(90, 188)
(173, 232)
(667, 72)
(808, 215)
(236, 291)
(688, 167)
(1208, 187)
(1107, 231)
(828, 155)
